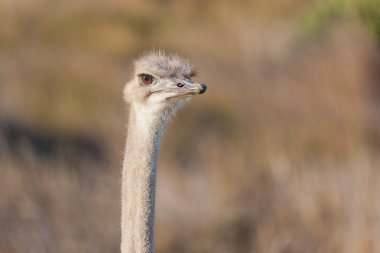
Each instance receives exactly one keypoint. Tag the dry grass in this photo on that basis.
(280, 155)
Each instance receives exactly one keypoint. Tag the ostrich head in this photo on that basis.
(161, 83)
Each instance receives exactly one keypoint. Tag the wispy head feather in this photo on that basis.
(161, 65)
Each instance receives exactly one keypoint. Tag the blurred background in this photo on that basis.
(280, 155)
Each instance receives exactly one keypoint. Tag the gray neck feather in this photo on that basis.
(145, 130)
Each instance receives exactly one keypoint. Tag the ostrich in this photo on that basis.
(160, 86)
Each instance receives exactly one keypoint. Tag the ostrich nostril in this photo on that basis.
(180, 85)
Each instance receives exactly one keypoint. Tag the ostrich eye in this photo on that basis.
(146, 79)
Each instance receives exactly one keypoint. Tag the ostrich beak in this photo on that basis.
(180, 88)
(190, 88)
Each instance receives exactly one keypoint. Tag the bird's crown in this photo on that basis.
(163, 66)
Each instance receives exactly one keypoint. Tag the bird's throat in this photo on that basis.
(139, 181)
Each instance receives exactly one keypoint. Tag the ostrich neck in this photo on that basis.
(139, 180)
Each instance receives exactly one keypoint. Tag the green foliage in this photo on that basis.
(369, 11)
(366, 11)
